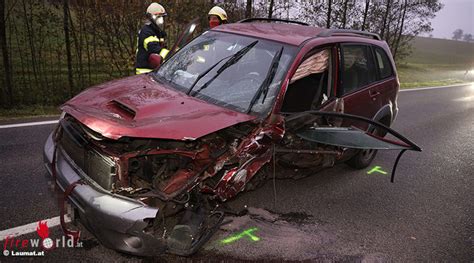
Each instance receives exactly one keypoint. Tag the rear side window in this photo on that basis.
(358, 69)
(383, 63)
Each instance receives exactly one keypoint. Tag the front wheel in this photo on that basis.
(362, 159)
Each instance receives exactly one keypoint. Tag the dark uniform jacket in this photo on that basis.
(150, 40)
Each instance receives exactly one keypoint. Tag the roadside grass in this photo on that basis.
(28, 111)
(437, 62)
(426, 75)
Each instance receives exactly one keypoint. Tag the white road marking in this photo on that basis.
(439, 87)
(29, 228)
(26, 124)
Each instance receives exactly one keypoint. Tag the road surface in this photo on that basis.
(339, 214)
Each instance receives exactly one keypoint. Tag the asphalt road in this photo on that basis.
(339, 214)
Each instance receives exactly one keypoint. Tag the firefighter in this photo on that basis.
(151, 48)
(216, 16)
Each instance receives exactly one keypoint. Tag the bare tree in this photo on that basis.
(8, 97)
(457, 34)
(248, 9)
(385, 18)
(467, 37)
(366, 12)
(328, 20)
(68, 46)
(270, 8)
(400, 31)
(344, 14)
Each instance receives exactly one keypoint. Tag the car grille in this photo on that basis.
(95, 165)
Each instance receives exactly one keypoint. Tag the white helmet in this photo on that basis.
(156, 9)
(217, 11)
(155, 13)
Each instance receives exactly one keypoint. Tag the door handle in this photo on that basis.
(373, 93)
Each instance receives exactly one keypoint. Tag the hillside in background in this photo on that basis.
(435, 62)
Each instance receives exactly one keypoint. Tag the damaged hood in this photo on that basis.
(138, 106)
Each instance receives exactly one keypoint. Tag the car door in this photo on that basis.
(387, 82)
(358, 87)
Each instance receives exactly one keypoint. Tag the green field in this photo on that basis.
(437, 62)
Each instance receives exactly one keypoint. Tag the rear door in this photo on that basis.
(358, 80)
(387, 83)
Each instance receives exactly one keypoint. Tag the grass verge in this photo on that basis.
(21, 112)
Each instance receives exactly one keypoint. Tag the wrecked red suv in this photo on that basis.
(147, 161)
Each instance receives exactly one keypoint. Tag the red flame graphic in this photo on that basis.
(42, 229)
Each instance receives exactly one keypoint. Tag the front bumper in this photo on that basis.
(117, 222)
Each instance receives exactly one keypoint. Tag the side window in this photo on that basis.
(383, 63)
(310, 86)
(358, 70)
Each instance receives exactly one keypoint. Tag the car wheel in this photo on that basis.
(362, 159)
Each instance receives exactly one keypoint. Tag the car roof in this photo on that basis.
(292, 34)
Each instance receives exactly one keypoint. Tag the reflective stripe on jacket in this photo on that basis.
(150, 40)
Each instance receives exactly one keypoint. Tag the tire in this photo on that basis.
(363, 158)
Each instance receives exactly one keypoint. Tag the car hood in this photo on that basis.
(138, 106)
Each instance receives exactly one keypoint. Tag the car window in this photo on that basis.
(357, 70)
(311, 83)
(237, 85)
(383, 64)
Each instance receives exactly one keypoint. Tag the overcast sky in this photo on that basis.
(455, 14)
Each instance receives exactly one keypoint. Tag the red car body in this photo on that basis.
(112, 134)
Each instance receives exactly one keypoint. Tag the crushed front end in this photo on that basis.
(152, 196)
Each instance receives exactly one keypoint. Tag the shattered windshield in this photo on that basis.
(200, 69)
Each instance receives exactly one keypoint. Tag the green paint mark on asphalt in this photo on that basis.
(244, 233)
(376, 169)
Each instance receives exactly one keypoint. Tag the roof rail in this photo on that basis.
(248, 20)
(331, 32)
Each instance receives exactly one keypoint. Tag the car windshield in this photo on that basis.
(212, 66)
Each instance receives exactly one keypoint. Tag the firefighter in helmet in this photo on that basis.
(151, 48)
(216, 16)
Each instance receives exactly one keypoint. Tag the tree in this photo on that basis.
(68, 45)
(248, 9)
(397, 21)
(385, 18)
(328, 20)
(457, 34)
(366, 12)
(270, 9)
(400, 31)
(467, 37)
(8, 98)
(344, 14)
